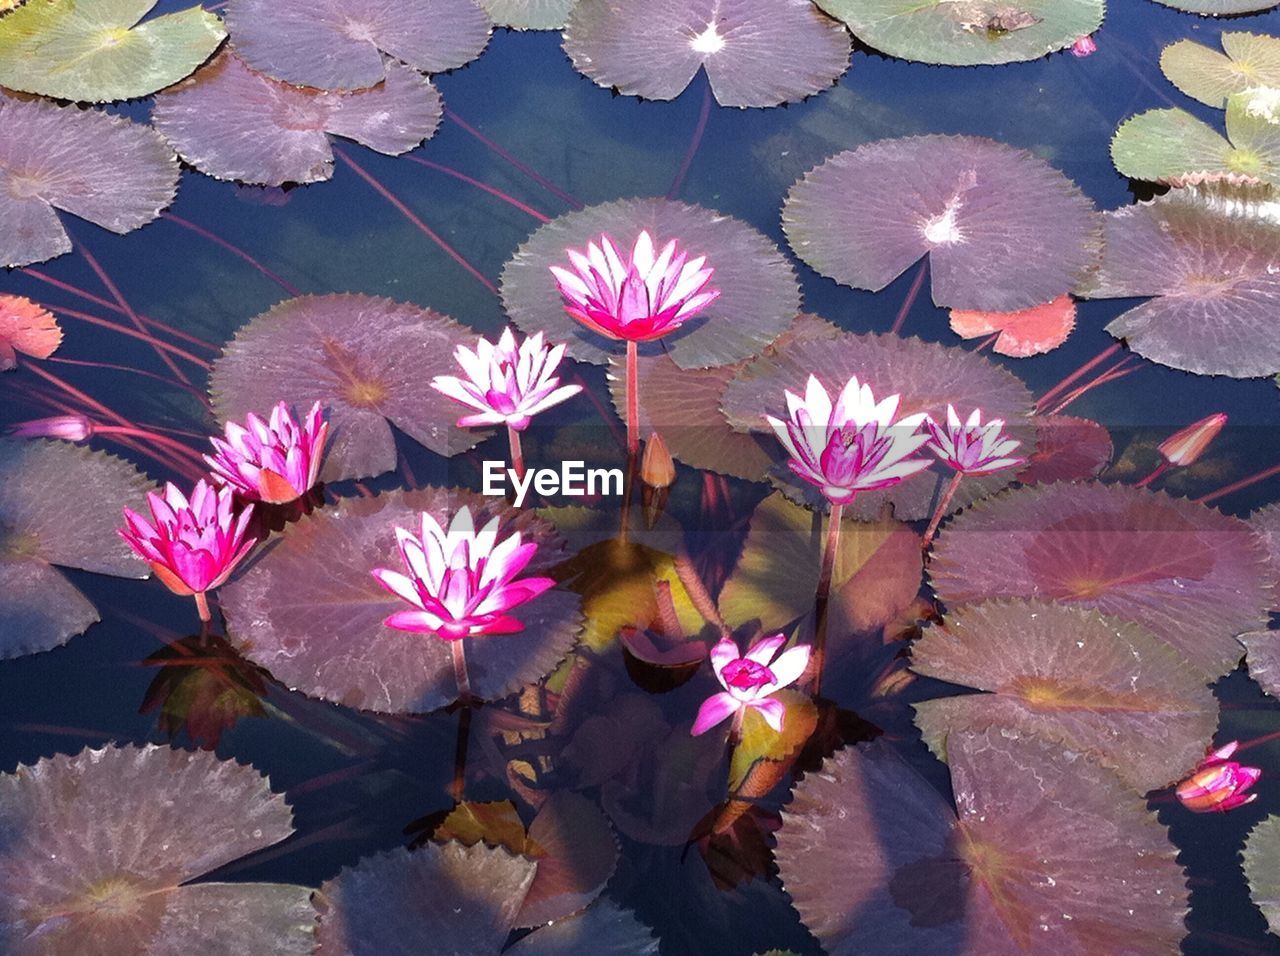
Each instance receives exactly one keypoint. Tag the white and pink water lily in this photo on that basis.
(461, 582)
(856, 444)
(970, 447)
(506, 384)
(749, 680)
(275, 461)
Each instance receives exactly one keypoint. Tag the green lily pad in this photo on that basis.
(1218, 8)
(528, 14)
(96, 51)
(968, 32)
(1262, 869)
(1249, 61)
(759, 741)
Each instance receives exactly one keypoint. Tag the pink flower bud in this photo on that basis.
(66, 427)
(1085, 46)
(1184, 447)
(1219, 784)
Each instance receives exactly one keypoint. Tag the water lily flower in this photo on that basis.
(274, 461)
(194, 543)
(460, 582)
(972, 448)
(1085, 46)
(74, 428)
(1219, 783)
(749, 679)
(1186, 445)
(855, 445)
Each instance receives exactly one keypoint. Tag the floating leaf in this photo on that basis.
(1262, 869)
(60, 505)
(1193, 576)
(495, 822)
(928, 377)
(604, 929)
(759, 295)
(27, 328)
(97, 849)
(1219, 8)
(759, 741)
(232, 123)
(968, 32)
(310, 612)
(1209, 259)
(339, 44)
(368, 361)
(438, 899)
(1033, 331)
(578, 855)
(1250, 60)
(1262, 648)
(1068, 674)
(1003, 229)
(1050, 853)
(528, 14)
(1266, 526)
(99, 51)
(1067, 449)
(114, 173)
(755, 53)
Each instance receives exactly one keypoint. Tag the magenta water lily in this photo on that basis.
(1219, 783)
(749, 680)
(274, 461)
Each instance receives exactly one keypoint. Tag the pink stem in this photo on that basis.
(829, 554)
(517, 453)
(460, 671)
(231, 248)
(408, 213)
(1119, 370)
(633, 399)
(1077, 374)
(1159, 470)
(943, 504)
(151, 436)
(492, 191)
(911, 297)
(155, 376)
(202, 607)
(134, 333)
(523, 167)
(1237, 485)
(703, 115)
(1259, 741)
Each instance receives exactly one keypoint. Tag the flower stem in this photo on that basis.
(703, 115)
(525, 168)
(910, 300)
(460, 751)
(517, 453)
(1159, 470)
(498, 193)
(202, 607)
(1237, 485)
(231, 248)
(1083, 370)
(633, 399)
(460, 671)
(943, 503)
(735, 730)
(825, 576)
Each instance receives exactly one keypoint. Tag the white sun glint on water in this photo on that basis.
(708, 41)
(941, 230)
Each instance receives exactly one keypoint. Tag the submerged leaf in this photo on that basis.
(27, 328)
(1049, 853)
(576, 853)
(1067, 449)
(116, 174)
(233, 123)
(1262, 869)
(339, 44)
(99, 51)
(1033, 331)
(1003, 229)
(1068, 674)
(95, 850)
(756, 53)
(368, 361)
(1193, 576)
(310, 612)
(1250, 60)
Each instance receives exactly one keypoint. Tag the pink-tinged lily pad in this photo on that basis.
(1266, 526)
(1208, 258)
(528, 14)
(368, 361)
(1047, 852)
(1262, 869)
(604, 929)
(1195, 577)
(114, 173)
(339, 44)
(755, 53)
(231, 122)
(1067, 449)
(442, 898)
(1068, 674)
(95, 850)
(928, 377)
(1033, 331)
(310, 612)
(1003, 229)
(759, 294)
(60, 505)
(1262, 651)
(27, 328)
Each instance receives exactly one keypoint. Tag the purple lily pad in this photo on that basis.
(1219, 8)
(1067, 449)
(1003, 229)
(1208, 259)
(1069, 674)
(97, 849)
(1050, 852)
(442, 898)
(367, 360)
(755, 53)
(579, 856)
(339, 44)
(759, 294)
(1262, 650)
(59, 505)
(927, 375)
(310, 612)
(1261, 864)
(1193, 576)
(604, 929)
(233, 123)
(103, 168)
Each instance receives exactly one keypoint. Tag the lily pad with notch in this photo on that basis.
(1246, 61)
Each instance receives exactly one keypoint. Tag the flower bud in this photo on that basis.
(1085, 46)
(1184, 447)
(66, 427)
(657, 470)
(1218, 784)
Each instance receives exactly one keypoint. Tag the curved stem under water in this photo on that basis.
(829, 554)
(943, 504)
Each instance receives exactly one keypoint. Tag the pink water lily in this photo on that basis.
(1219, 783)
(749, 679)
(854, 445)
(275, 461)
(506, 385)
(460, 582)
(192, 544)
(639, 298)
(972, 448)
